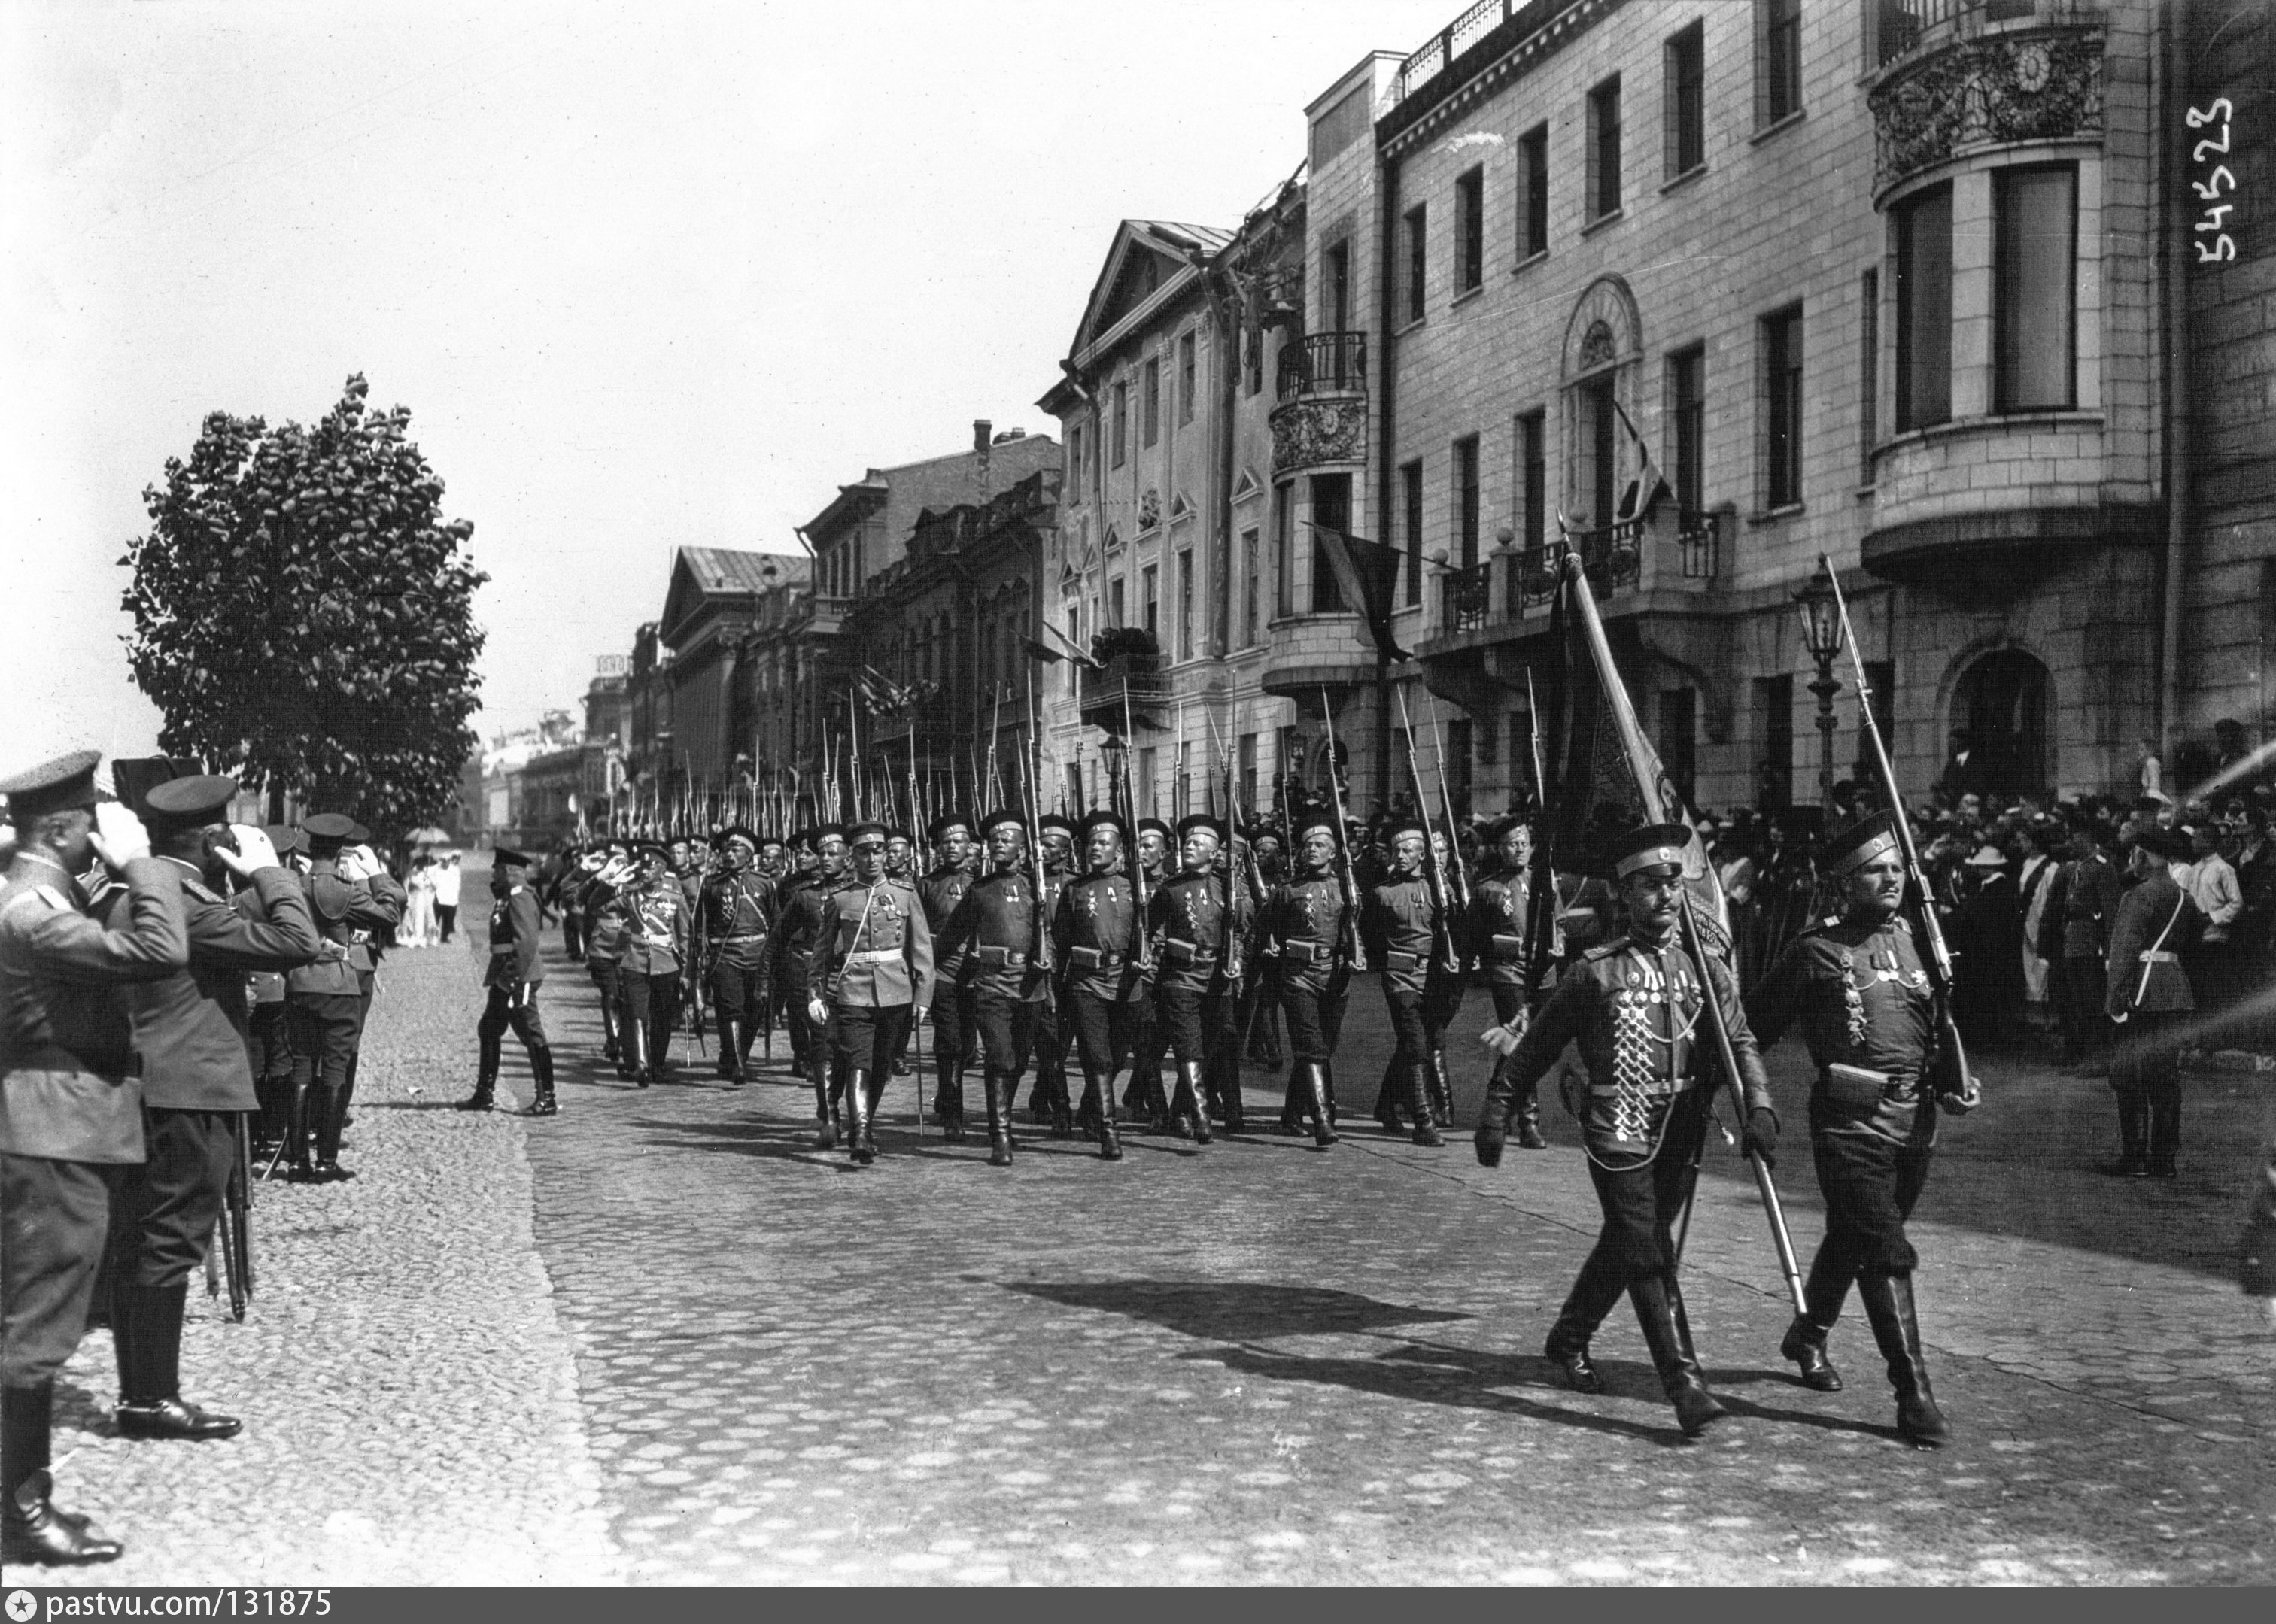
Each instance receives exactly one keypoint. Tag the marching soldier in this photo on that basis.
(324, 1002)
(655, 948)
(998, 932)
(1633, 1005)
(877, 978)
(798, 938)
(1422, 988)
(1310, 922)
(1855, 984)
(900, 856)
(1097, 929)
(1501, 919)
(738, 912)
(1047, 1101)
(2147, 998)
(1145, 1097)
(607, 925)
(72, 1119)
(190, 1032)
(1197, 923)
(940, 891)
(799, 872)
(516, 970)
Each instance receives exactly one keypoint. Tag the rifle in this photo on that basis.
(1137, 860)
(1447, 810)
(1350, 875)
(1034, 798)
(1533, 743)
(233, 1238)
(1957, 1090)
(1439, 896)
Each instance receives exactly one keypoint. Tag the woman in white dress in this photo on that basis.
(418, 927)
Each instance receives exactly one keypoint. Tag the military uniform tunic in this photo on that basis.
(655, 948)
(996, 930)
(877, 971)
(1095, 931)
(940, 892)
(735, 919)
(1305, 924)
(513, 975)
(1422, 994)
(1196, 923)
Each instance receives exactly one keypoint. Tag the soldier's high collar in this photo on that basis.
(34, 858)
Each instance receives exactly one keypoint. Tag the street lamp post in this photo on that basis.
(1821, 635)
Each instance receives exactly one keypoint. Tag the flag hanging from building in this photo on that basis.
(1368, 572)
(1644, 492)
(1606, 778)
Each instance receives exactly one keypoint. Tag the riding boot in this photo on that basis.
(1656, 1304)
(1315, 1077)
(485, 1094)
(948, 1103)
(1236, 1119)
(1442, 1092)
(2133, 1134)
(610, 1049)
(825, 1113)
(1418, 1105)
(1389, 1097)
(2164, 1134)
(1888, 1300)
(636, 1049)
(1328, 1072)
(296, 1132)
(999, 1125)
(731, 1054)
(1109, 1140)
(1805, 1339)
(541, 1065)
(1062, 1116)
(153, 1407)
(33, 1531)
(857, 1117)
(1529, 1136)
(1293, 1097)
(1189, 1100)
(331, 1108)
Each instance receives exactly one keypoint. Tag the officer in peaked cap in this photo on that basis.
(323, 999)
(1313, 923)
(266, 1036)
(1633, 1005)
(2147, 997)
(1857, 987)
(658, 930)
(1420, 989)
(516, 970)
(73, 1116)
(798, 940)
(874, 978)
(190, 1031)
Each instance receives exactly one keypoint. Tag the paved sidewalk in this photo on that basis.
(411, 1411)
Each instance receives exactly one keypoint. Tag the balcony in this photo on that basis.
(1321, 417)
(1675, 551)
(1958, 76)
(1128, 691)
(1900, 25)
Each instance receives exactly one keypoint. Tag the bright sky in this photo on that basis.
(647, 276)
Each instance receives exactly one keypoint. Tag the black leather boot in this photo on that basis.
(610, 1049)
(485, 1094)
(1110, 1139)
(1655, 1304)
(1062, 1113)
(1569, 1349)
(1389, 1097)
(540, 1063)
(1189, 1100)
(153, 1407)
(2132, 1136)
(825, 1110)
(857, 1117)
(636, 1051)
(1805, 1339)
(1316, 1079)
(296, 1134)
(1441, 1091)
(1000, 1126)
(729, 1069)
(32, 1529)
(948, 1103)
(1888, 1300)
(2165, 1136)
(1418, 1106)
(1529, 1136)
(1292, 1099)
(331, 1108)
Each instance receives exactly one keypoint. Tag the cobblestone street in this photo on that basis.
(659, 1339)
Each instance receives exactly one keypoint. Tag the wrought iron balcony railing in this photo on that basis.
(1469, 597)
(1131, 684)
(1699, 536)
(1325, 363)
(1900, 24)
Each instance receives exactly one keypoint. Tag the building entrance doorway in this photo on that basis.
(2002, 702)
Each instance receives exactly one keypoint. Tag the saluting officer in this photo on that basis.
(267, 1036)
(1501, 921)
(1856, 984)
(739, 911)
(1096, 931)
(190, 1031)
(797, 938)
(1633, 1005)
(1311, 922)
(516, 970)
(876, 978)
(940, 891)
(1421, 989)
(1197, 924)
(324, 1001)
(655, 948)
(997, 929)
(73, 1116)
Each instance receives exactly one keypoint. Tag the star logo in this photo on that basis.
(22, 1604)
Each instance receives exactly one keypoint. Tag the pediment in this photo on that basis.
(1246, 484)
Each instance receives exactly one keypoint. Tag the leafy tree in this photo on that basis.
(304, 616)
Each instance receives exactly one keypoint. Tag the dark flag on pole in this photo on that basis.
(1368, 572)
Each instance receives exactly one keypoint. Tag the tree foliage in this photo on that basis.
(304, 616)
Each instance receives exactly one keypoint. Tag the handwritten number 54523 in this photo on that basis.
(2199, 119)
(2209, 187)
(2221, 248)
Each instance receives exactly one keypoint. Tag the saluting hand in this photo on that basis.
(254, 851)
(118, 837)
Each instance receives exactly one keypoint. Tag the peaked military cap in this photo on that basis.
(328, 826)
(866, 829)
(506, 856)
(190, 800)
(821, 832)
(1861, 842)
(284, 837)
(736, 831)
(359, 832)
(656, 848)
(936, 831)
(1657, 846)
(52, 786)
(1187, 824)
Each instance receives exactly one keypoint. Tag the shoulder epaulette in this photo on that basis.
(1605, 950)
(49, 895)
(197, 888)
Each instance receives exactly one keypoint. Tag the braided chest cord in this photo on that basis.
(1636, 1064)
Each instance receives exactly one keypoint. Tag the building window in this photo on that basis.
(1253, 376)
(1533, 207)
(1250, 588)
(1599, 448)
(1335, 289)
(2035, 291)
(1465, 499)
(1186, 605)
(1075, 463)
(1924, 309)
(1410, 492)
(1687, 405)
(1331, 510)
(1869, 371)
(1686, 101)
(1186, 379)
(1284, 593)
(1780, 58)
(1114, 604)
(1604, 149)
(1075, 637)
(1782, 403)
(1418, 259)
(1245, 752)
(1142, 792)
(1679, 739)
(1533, 477)
(1149, 601)
(1470, 231)
(1774, 726)
(1151, 400)
(1121, 422)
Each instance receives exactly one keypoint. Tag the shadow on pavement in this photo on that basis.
(1234, 1310)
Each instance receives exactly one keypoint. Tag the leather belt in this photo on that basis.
(726, 942)
(1188, 953)
(1003, 956)
(1303, 952)
(876, 956)
(1508, 948)
(2161, 957)
(1393, 959)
